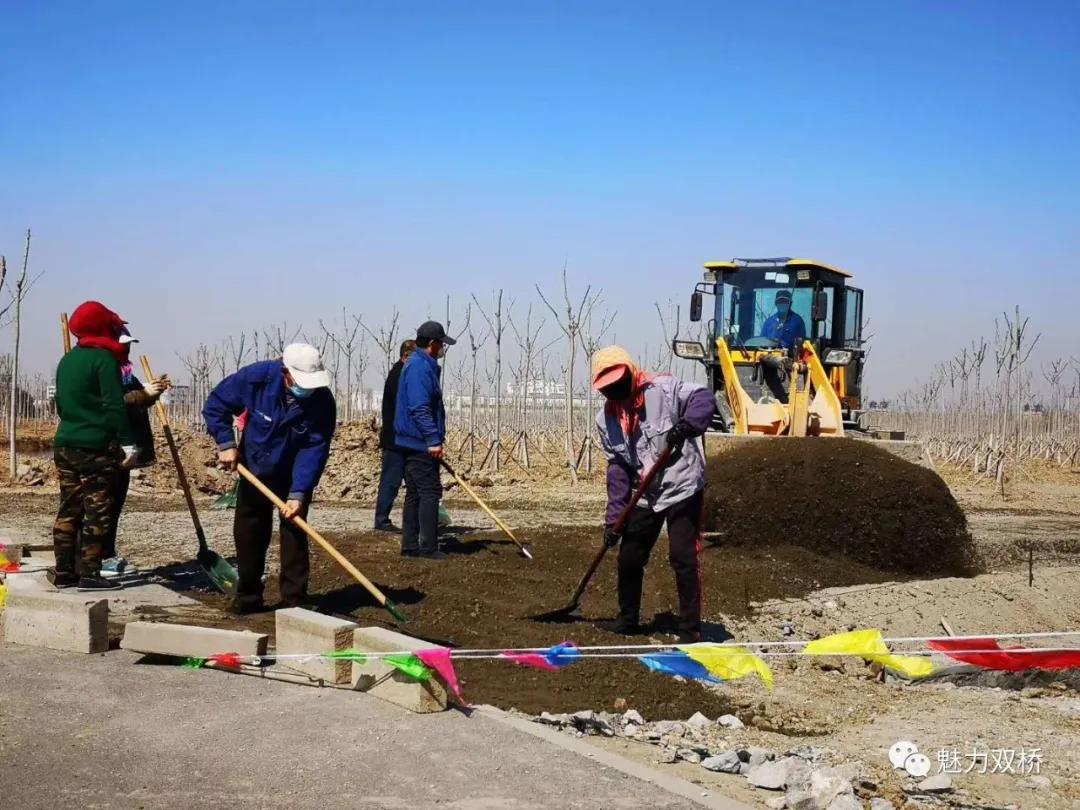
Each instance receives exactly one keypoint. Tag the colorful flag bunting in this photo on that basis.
(677, 663)
(551, 660)
(410, 665)
(870, 645)
(438, 658)
(729, 663)
(1004, 659)
(533, 660)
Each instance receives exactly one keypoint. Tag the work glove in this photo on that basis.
(131, 456)
(612, 538)
(677, 436)
(155, 388)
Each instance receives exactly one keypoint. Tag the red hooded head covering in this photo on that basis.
(98, 327)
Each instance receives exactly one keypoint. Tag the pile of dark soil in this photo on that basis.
(485, 595)
(843, 498)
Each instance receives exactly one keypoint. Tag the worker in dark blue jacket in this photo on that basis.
(420, 430)
(291, 420)
(785, 326)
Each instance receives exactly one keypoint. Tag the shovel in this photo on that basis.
(217, 568)
(567, 614)
(485, 507)
(371, 588)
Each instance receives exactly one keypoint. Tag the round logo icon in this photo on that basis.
(917, 765)
(899, 753)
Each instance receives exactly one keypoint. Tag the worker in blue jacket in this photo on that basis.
(291, 420)
(420, 430)
(785, 326)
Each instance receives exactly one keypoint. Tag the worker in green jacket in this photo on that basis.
(93, 443)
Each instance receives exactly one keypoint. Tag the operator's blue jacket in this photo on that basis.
(789, 332)
(287, 440)
(420, 419)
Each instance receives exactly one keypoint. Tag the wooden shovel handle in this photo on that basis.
(314, 535)
(65, 332)
(480, 503)
(620, 522)
(174, 451)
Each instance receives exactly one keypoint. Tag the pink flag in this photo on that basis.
(438, 658)
(530, 660)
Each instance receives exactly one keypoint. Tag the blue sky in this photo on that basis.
(205, 169)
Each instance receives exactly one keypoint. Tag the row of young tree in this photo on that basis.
(992, 402)
(516, 382)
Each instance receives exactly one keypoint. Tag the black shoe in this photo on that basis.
(410, 552)
(62, 579)
(687, 637)
(98, 583)
(246, 607)
(388, 527)
(434, 554)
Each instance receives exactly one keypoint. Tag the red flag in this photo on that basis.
(1008, 660)
(230, 660)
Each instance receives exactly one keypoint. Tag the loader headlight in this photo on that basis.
(837, 357)
(688, 349)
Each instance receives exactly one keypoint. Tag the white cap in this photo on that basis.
(303, 362)
(125, 337)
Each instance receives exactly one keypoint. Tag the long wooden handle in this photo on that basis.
(484, 506)
(314, 535)
(175, 452)
(161, 412)
(65, 332)
(621, 521)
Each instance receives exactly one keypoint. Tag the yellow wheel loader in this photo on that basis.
(785, 353)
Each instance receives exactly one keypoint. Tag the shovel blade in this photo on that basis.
(564, 615)
(228, 500)
(220, 572)
(395, 611)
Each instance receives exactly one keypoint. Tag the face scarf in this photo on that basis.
(627, 399)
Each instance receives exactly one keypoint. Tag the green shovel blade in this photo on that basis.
(395, 611)
(228, 500)
(220, 572)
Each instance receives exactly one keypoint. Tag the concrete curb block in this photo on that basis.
(190, 641)
(672, 784)
(59, 621)
(381, 680)
(298, 631)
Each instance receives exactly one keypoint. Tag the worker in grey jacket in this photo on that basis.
(642, 415)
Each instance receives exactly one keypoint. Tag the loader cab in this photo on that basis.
(824, 310)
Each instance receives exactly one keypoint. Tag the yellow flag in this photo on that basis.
(3, 594)
(870, 645)
(729, 662)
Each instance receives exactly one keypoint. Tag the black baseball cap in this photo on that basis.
(433, 330)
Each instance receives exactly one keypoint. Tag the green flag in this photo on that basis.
(410, 665)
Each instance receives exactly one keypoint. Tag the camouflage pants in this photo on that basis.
(86, 515)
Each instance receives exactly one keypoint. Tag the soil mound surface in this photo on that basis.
(486, 597)
(843, 498)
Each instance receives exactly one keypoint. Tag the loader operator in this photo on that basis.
(643, 415)
(785, 326)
